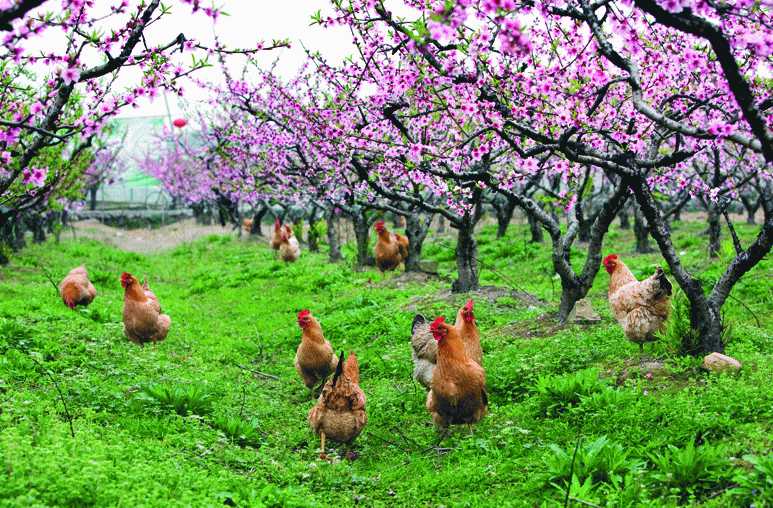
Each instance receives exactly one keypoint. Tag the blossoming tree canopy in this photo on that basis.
(69, 66)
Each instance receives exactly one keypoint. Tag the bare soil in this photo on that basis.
(146, 240)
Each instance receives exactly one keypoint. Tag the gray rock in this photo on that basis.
(717, 362)
(583, 313)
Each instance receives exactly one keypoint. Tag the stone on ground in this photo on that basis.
(717, 362)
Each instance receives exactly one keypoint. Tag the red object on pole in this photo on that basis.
(180, 122)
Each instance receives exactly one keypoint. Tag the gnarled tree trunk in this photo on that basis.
(537, 235)
(466, 259)
(642, 232)
(705, 312)
(504, 211)
(416, 229)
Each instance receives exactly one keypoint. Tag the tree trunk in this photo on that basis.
(504, 216)
(714, 231)
(19, 229)
(466, 259)
(583, 225)
(705, 316)
(537, 235)
(570, 293)
(257, 222)
(416, 230)
(313, 235)
(625, 220)
(751, 205)
(38, 228)
(298, 228)
(362, 235)
(333, 241)
(642, 233)
(93, 198)
(441, 225)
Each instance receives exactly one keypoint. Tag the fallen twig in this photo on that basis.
(756, 319)
(58, 389)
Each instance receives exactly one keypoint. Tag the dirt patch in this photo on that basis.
(543, 326)
(146, 240)
(407, 279)
(489, 294)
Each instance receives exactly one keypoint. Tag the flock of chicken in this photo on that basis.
(447, 359)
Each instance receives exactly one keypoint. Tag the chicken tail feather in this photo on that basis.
(339, 369)
(665, 285)
(418, 320)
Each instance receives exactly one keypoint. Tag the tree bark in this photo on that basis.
(362, 236)
(313, 234)
(93, 198)
(504, 216)
(751, 205)
(38, 228)
(416, 229)
(625, 220)
(714, 230)
(466, 258)
(441, 225)
(257, 221)
(537, 235)
(642, 232)
(333, 241)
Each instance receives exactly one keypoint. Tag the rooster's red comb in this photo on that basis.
(611, 257)
(468, 306)
(437, 323)
(304, 313)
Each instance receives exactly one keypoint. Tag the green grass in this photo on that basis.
(191, 424)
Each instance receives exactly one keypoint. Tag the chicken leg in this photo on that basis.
(322, 454)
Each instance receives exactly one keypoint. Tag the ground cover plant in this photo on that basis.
(216, 416)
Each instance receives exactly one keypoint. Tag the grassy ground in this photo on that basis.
(191, 423)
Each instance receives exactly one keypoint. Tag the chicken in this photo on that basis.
(423, 351)
(289, 249)
(424, 347)
(391, 248)
(142, 318)
(247, 225)
(339, 414)
(76, 288)
(640, 307)
(276, 236)
(314, 359)
(458, 392)
(468, 328)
